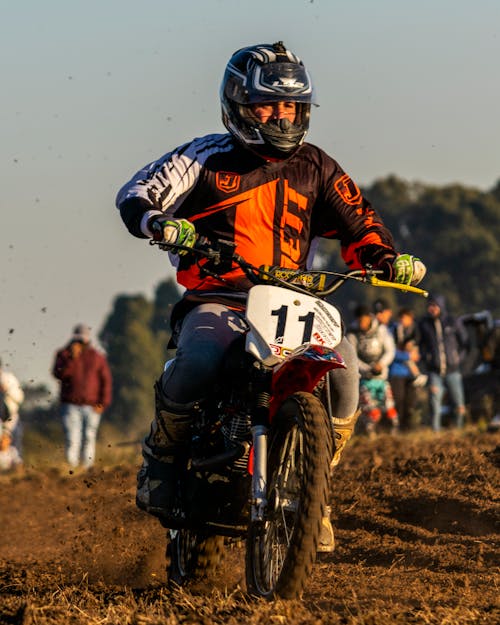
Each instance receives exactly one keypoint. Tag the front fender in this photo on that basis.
(301, 371)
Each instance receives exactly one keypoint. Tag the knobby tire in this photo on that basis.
(281, 551)
(191, 555)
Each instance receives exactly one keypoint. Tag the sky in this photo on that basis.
(92, 91)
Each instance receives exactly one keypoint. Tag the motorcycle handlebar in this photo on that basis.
(300, 281)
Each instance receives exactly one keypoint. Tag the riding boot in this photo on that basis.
(343, 431)
(326, 543)
(165, 452)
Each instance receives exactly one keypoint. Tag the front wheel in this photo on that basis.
(191, 554)
(281, 550)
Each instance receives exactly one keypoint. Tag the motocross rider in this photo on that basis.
(262, 187)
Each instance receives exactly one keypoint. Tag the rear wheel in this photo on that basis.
(281, 550)
(191, 555)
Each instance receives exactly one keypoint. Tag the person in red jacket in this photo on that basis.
(85, 392)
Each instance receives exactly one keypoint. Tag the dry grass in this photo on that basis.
(417, 526)
(100, 605)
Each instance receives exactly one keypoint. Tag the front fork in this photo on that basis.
(324, 360)
(262, 381)
(259, 476)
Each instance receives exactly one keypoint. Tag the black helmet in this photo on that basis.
(266, 73)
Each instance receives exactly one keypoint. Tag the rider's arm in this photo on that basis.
(364, 238)
(159, 189)
(347, 215)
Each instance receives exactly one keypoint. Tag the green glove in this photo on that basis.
(408, 269)
(175, 231)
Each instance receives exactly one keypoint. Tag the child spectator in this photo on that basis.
(375, 349)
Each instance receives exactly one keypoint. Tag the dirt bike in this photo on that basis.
(262, 443)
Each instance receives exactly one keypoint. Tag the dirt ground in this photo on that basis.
(417, 522)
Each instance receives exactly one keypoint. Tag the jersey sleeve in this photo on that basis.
(345, 214)
(160, 188)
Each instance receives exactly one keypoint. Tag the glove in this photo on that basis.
(407, 269)
(176, 231)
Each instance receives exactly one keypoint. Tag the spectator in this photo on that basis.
(85, 381)
(442, 343)
(375, 350)
(491, 354)
(404, 372)
(11, 398)
(383, 311)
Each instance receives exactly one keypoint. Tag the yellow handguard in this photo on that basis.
(395, 285)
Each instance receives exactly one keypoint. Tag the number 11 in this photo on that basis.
(282, 313)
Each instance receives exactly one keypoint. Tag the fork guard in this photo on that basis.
(301, 371)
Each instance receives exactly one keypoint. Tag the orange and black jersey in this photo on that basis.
(272, 211)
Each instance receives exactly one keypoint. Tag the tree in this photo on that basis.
(136, 358)
(455, 230)
(166, 294)
(136, 335)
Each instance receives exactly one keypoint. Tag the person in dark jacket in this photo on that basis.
(85, 392)
(491, 354)
(442, 342)
(404, 372)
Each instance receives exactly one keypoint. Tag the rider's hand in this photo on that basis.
(405, 269)
(174, 231)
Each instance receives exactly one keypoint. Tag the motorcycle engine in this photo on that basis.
(236, 429)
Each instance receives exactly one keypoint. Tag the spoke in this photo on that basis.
(285, 527)
(278, 531)
(287, 458)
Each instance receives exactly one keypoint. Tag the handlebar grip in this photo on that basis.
(396, 285)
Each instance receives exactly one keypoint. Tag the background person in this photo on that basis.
(85, 392)
(375, 350)
(405, 376)
(443, 340)
(492, 357)
(383, 311)
(11, 398)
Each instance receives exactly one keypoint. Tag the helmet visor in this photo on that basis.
(280, 81)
